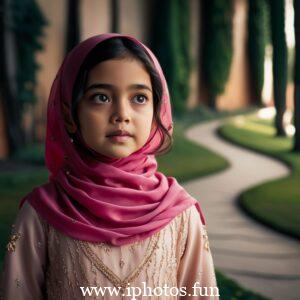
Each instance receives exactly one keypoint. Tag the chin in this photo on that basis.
(120, 154)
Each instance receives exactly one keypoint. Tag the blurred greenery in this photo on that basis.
(188, 160)
(230, 290)
(275, 203)
(170, 42)
(217, 46)
(28, 23)
(33, 153)
(13, 187)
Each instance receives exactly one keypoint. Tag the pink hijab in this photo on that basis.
(96, 198)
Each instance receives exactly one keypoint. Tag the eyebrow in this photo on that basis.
(137, 86)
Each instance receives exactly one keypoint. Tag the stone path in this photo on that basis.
(255, 256)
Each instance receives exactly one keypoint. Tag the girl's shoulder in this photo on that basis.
(195, 216)
(192, 227)
(192, 216)
(28, 220)
(184, 221)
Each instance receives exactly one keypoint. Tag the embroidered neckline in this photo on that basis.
(109, 274)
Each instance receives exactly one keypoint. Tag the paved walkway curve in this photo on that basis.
(257, 257)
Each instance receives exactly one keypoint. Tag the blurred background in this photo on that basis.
(236, 61)
(217, 54)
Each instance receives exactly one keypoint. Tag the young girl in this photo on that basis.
(108, 225)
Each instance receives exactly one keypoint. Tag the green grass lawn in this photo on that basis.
(275, 203)
(186, 160)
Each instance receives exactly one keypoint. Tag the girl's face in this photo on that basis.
(118, 96)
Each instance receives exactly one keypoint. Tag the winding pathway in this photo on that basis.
(255, 256)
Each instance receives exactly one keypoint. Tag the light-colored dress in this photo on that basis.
(43, 263)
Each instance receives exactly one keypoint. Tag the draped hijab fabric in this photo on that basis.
(96, 198)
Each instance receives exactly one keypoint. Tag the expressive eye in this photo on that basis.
(141, 99)
(99, 98)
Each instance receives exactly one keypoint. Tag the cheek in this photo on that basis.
(145, 124)
(91, 120)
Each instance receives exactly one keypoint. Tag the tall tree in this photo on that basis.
(170, 41)
(21, 27)
(184, 56)
(9, 92)
(73, 24)
(297, 76)
(277, 9)
(257, 15)
(217, 46)
(115, 8)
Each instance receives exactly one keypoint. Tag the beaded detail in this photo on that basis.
(18, 282)
(121, 263)
(11, 246)
(205, 236)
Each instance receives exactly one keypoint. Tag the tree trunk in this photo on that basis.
(297, 76)
(115, 27)
(256, 44)
(279, 61)
(9, 92)
(297, 117)
(212, 101)
(73, 24)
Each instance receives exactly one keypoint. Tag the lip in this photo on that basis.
(119, 133)
(119, 138)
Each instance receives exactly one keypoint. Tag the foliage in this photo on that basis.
(170, 41)
(217, 48)
(33, 153)
(230, 290)
(27, 22)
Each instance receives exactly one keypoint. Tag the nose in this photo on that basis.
(120, 112)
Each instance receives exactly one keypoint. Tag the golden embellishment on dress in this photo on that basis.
(11, 246)
(132, 248)
(18, 282)
(183, 231)
(109, 274)
(93, 269)
(206, 242)
(134, 245)
(121, 263)
(105, 246)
